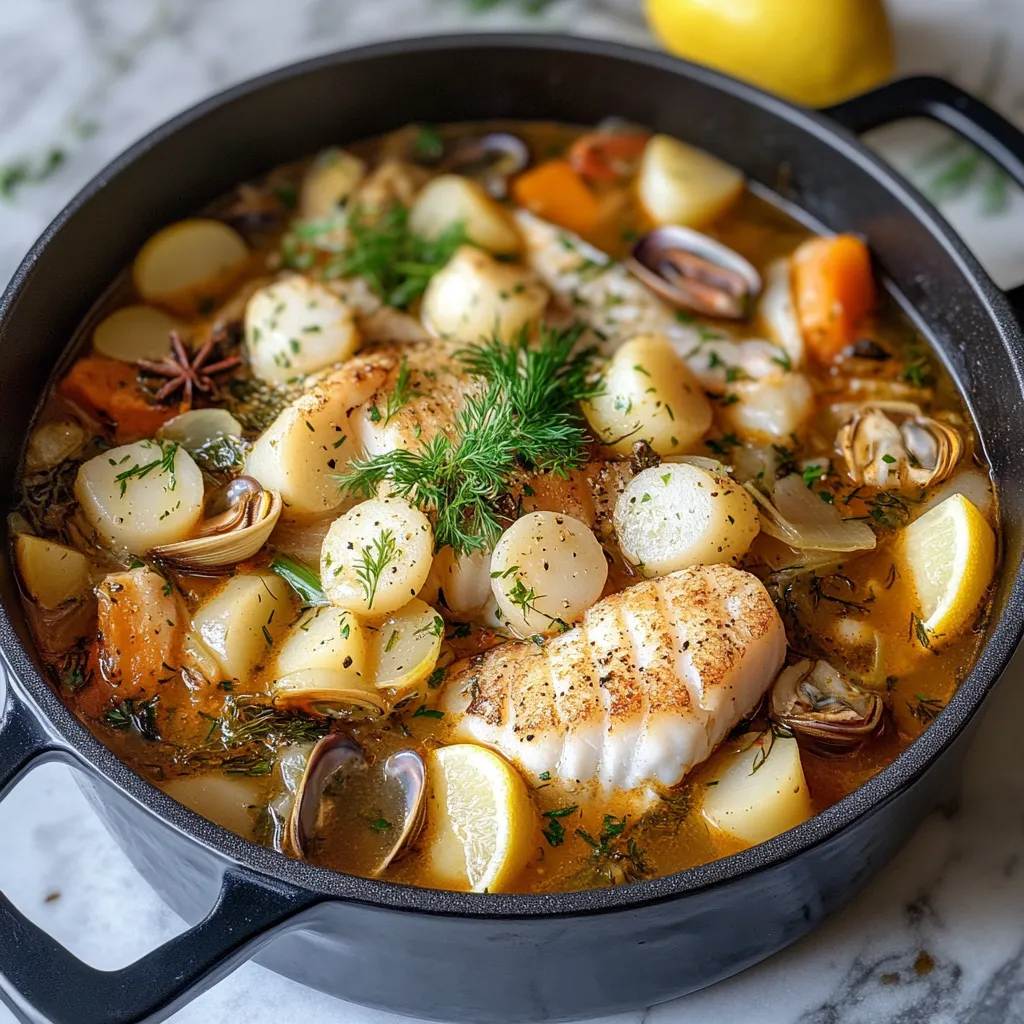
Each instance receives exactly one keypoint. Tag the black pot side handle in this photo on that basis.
(948, 104)
(42, 983)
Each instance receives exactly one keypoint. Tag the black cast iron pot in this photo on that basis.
(455, 956)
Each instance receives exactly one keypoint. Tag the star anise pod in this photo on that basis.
(187, 372)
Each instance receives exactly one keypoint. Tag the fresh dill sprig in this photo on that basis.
(529, 415)
(372, 562)
(396, 263)
(397, 398)
(165, 464)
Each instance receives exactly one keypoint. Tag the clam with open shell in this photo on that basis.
(894, 445)
(691, 271)
(338, 759)
(243, 517)
(827, 710)
(492, 159)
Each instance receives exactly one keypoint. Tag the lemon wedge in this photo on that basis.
(949, 555)
(484, 825)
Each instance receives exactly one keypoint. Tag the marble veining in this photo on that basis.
(938, 938)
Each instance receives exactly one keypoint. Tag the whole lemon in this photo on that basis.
(815, 52)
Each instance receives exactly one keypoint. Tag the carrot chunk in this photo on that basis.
(554, 191)
(834, 290)
(108, 390)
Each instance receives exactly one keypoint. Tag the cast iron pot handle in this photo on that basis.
(942, 101)
(43, 983)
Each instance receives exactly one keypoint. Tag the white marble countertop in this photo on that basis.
(938, 938)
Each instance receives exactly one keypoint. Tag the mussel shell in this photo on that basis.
(694, 272)
(832, 715)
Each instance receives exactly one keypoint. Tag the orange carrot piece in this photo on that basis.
(554, 191)
(834, 290)
(108, 390)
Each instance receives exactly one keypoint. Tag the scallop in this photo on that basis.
(141, 495)
(649, 394)
(377, 556)
(296, 327)
(546, 571)
(675, 515)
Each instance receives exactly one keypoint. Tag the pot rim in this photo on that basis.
(87, 752)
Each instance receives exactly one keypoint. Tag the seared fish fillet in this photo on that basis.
(641, 691)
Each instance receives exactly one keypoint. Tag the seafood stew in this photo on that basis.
(506, 508)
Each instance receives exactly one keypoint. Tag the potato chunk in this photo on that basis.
(547, 570)
(242, 620)
(301, 452)
(377, 556)
(141, 495)
(52, 574)
(295, 327)
(680, 184)
(452, 199)
(135, 332)
(760, 790)
(676, 515)
(475, 296)
(649, 395)
(332, 177)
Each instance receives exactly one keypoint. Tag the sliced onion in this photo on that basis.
(798, 517)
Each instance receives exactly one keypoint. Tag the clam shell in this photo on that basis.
(694, 272)
(233, 537)
(328, 694)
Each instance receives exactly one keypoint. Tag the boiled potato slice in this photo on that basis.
(135, 332)
(547, 570)
(676, 515)
(51, 573)
(330, 180)
(482, 827)
(377, 556)
(230, 801)
(649, 395)
(759, 790)
(405, 646)
(186, 266)
(475, 296)
(141, 495)
(241, 622)
(452, 199)
(679, 184)
(295, 327)
(303, 450)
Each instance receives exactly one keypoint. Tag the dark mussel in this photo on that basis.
(693, 272)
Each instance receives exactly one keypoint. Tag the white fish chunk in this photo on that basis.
(641, 692)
